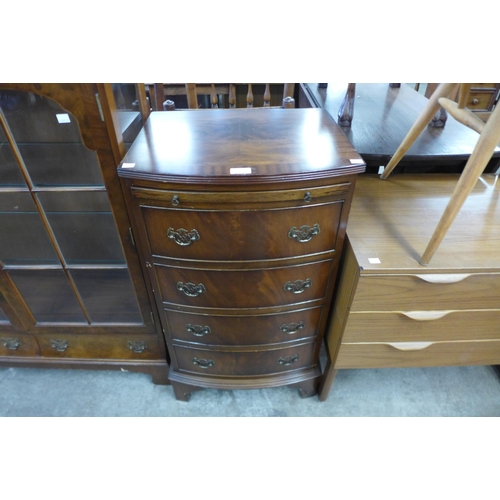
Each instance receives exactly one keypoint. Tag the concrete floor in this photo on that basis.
(472, 391)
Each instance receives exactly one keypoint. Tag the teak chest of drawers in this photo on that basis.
(392, 312)
(240, 217)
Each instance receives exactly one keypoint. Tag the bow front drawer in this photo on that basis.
(245, 363)
(243, 234)
(243, 330)
(244, 288)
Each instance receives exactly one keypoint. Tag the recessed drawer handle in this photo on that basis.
(59, 345)
(11, 343)
(288, 360)
(298, 286)
(137, 346)
(442, 278)
(304, 233)
(203, 363)
(425, 315)
(198, 330)
(292, 327)
(410, 346)
(190, 289)
(183, 237)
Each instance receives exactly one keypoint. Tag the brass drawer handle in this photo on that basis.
(292, 327)
(198, 330)
(175, 200)
(288, 360)
(11, 343)
(190, 289)
(59, 345)
(298, 286)
(137, 346)
(183, 237)
(203, 363)
(475, 100)
(304, 233)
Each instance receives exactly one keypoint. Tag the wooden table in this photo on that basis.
(382, 118)
(392, 312)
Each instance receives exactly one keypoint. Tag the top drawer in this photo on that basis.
(242, 234)
(427, 292)
(244, 225)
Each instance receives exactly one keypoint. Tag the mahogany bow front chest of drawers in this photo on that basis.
(240, 217)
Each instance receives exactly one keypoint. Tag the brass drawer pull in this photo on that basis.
(137, 346)
(59, 345)
(298, 286)
(304, 233)
(198, 330)
(292, 327)
(475, 100)
(183, 237)
(175, 200)
(190, 289)
(11, 343)
(203, 363)
(288, 360)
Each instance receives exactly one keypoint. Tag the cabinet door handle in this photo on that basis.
(183, 237)
(198, 330)
(298, 286)
(410, 346)
(425, 315)
(11, 343)
(292, 327)
(190, 289)
(137, 346)
(203, 363)
(304, 233)
(59, 345)
(288, 360)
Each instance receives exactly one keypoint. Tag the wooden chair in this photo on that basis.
(157, 95)
(489, 139)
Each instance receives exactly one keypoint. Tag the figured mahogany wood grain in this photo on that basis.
(243, 235)
(244, 288)
(100, 346)
(245, 363)
(199, 147)
(244, 330)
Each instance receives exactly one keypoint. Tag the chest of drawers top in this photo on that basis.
(240, 146)
(392, 222)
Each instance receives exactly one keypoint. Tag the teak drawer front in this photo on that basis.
(100, 346)
(422, 326)
(242, 234)
(244, 289)
(427, 292)
(401, 355)
(243, 330)
(244, 363)
(480, 101)
(18, 344)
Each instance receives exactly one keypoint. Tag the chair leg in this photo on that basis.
(444, 90)
(485, 147)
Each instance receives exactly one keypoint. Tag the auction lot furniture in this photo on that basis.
(72, 293)
(389, 310)
(240, 217)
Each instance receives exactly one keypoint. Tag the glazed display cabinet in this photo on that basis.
(72, 293)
